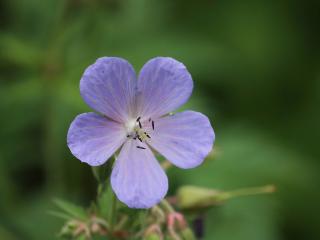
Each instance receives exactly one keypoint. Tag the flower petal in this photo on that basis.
(93, 138)
(137, 178)
(109, 86)
(164, 84)
(184, 138)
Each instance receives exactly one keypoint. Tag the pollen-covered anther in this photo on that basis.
(136, 131)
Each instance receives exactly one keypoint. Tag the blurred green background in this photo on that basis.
(256, 68)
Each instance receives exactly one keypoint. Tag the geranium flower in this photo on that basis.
(134, 116)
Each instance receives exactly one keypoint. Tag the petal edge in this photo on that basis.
(137, 178)
(164, 84)
(93, 138)
(109, 87)
(185, 138)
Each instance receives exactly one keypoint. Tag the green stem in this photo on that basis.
(247, 191)
(113, 212)
(167, 206)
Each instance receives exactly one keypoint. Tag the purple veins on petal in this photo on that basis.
(93, 138)
(184, 138)
(165, 84)
(109, 87)
(137, 178)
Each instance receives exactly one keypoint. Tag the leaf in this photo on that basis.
(72, 209)
(60, 215)
(81, 237)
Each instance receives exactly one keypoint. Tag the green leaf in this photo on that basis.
(104, 202)
(72, 209)
(60, 215)
(81, 237)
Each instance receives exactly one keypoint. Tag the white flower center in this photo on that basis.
(130, 125)
(137, 129)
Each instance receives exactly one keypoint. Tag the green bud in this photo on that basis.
(187, 234)
(153, 232)
(191, 197)
(68, 228)
(153, 236)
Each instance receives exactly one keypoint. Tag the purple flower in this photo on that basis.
(134, 117)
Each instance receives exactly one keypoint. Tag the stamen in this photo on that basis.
(136, 130)
(138, 120)
(141, 147)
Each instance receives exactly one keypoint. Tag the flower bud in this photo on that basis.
(178, 227)
(68, 228)
(153, 232)
(191, 197)
(187, 234)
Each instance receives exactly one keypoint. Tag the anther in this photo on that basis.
(139, 138)
(153, 125)
(147, 134)
(141, 147)
(149, 119)
(138, 120)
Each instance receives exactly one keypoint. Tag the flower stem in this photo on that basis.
(247, 191)
(167, 206)
(113, 212)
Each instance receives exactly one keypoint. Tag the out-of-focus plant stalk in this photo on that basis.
(102, 175)
(246, 192)
(167, 206)
(113, 212)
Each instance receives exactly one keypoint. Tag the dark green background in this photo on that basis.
(256, 69)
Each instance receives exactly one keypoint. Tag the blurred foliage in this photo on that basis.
(256, 67)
